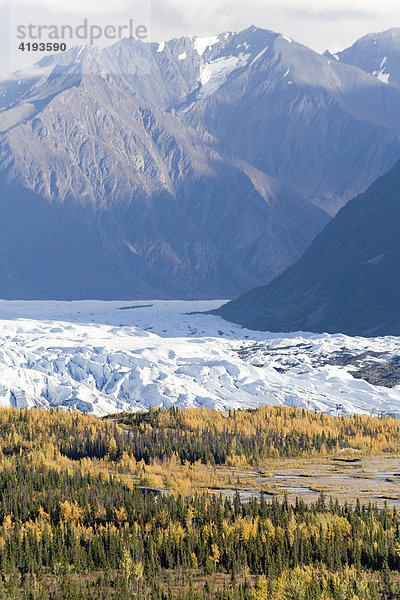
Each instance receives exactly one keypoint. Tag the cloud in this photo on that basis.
(77, 7)
(330, 14)
(319, 24)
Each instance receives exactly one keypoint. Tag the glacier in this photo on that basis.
(215, 73)
(106, 357)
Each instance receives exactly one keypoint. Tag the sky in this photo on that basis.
(320, 24)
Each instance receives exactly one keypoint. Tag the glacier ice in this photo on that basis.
(106, 357)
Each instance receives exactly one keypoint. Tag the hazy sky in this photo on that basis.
(320, 24)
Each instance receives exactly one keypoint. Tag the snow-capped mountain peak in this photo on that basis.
(377, 54)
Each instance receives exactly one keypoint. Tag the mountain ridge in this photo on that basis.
(377, 54)
(345, 282)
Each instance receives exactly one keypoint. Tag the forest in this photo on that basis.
(78, 520)
(253, 435)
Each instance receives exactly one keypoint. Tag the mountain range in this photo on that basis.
(194, 168)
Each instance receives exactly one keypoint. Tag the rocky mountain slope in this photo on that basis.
(326, 129)
(108, 194)
(347, 281)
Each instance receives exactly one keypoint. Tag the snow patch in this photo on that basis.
(382, 76)
(287, 39)
(215, 73)
(182, 56)
(259, 55)
(202, 44)
(161, 47)
(380, 73)
(81, 49)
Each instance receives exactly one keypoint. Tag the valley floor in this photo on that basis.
(107, 357)
(374, 479)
